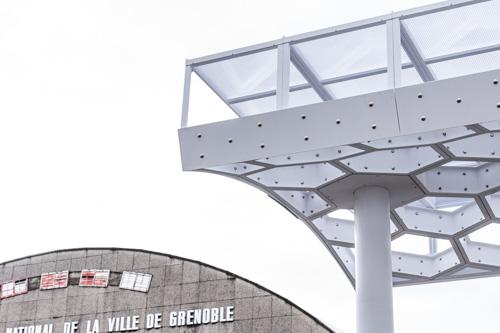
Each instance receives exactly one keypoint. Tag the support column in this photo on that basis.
(372, 232)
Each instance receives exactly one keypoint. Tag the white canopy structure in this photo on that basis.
(375, 132)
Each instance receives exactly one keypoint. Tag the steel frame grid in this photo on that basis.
(398, 38)
(412, 141)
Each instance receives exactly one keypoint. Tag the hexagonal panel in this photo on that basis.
(320, 155)
(421, 139)
(478, 146)
(307, 175)
(492, 125)
(236, 168)
(397, 161)
(402, 189)
(407, 261)
(305, 202)
(338, 226)
(462, 180)
(483, 245)
(494, 203)
(347, 257)
(441, 215)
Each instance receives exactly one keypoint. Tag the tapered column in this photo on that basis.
(374, 312)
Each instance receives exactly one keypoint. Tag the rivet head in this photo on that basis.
(498, 105)
(262, 146)
(198, 135)
(337, 122)
(259, 125)
(306, 138)
(423, 118)
(371, 104)
(202, 156)
(459, 100)
(420, 95)
(495, 82)
(230, 140)
(303, 116)
(374, 126)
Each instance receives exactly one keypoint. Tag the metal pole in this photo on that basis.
(185, 99)
(374, 311)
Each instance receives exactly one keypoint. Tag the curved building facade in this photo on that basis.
(122, 290)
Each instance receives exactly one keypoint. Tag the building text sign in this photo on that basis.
(134, 323)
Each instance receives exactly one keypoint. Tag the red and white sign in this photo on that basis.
(7, 290)
(54, 280)
(94, 278)
(13, 288)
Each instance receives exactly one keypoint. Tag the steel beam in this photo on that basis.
(394, 67)
(308, 73)
(283, 77)
(185, 98)
(415, 55)
(371, 72)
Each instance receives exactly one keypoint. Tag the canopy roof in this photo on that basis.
(409, 101)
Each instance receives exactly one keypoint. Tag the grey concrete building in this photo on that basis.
(118, 290)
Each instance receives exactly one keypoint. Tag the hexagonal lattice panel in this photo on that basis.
(411, 261)
(482, 246)
(303, 176)
(472, 177)
(441, 215)
(338, 227)
(401, 161)
(307, 203)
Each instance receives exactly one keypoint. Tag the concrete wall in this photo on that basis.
(177, 284)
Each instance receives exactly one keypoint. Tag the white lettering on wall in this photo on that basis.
(201, 316)
(133, 323)
(153, 320)
(69, 327)
(93, 327)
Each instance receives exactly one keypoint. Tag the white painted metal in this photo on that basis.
(374, 312)
(433, 145)
(301, 129)
(344, 121)
(415, 55)
(283, 77)
(311, 77)
(394, 66)
(186, 95)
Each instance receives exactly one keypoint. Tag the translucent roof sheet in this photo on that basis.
(347, 53)
(441, 42)
(241, 76)
(457, 30)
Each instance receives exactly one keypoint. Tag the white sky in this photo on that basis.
(90, 102)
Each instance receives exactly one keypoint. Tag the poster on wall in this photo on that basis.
(54, 280)
(135, 281)
(94, 278)
(13, 288)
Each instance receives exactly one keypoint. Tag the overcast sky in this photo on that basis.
(90, 104)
